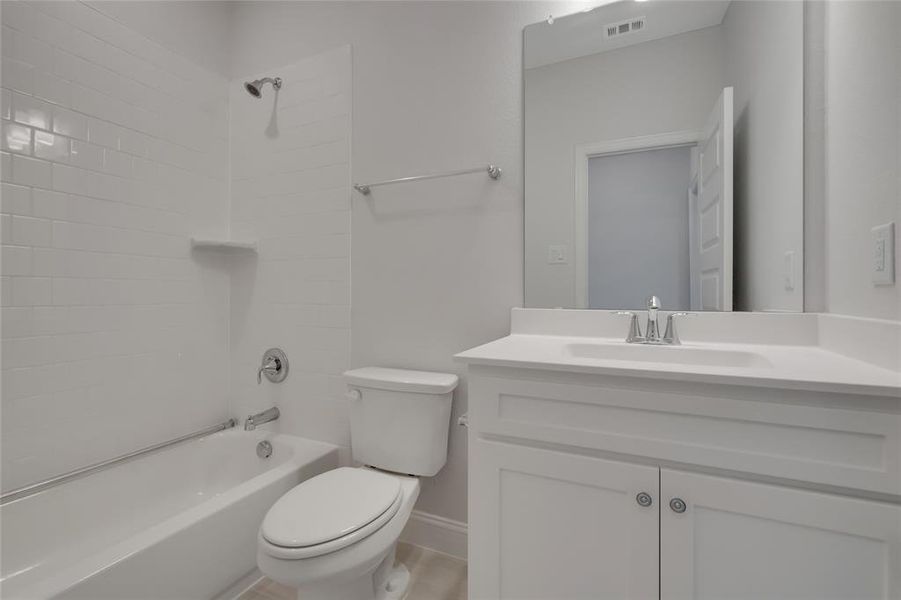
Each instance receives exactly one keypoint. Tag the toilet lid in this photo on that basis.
(329, 506)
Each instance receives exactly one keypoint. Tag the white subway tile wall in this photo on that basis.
(290, 181)
(115, 151)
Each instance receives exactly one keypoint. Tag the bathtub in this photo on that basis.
(180, 523)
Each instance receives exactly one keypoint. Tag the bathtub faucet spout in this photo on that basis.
(251, 422)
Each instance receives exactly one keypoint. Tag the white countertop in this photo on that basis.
(797, 367)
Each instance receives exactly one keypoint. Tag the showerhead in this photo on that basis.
(255, 88)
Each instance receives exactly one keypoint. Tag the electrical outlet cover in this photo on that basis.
(883, 244)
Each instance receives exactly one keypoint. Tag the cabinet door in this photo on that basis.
(551, 525)
(738, 539)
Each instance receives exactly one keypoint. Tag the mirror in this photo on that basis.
(664, 156)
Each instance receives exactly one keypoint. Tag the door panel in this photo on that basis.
(714, 209)
(550, 525)
(738, 539)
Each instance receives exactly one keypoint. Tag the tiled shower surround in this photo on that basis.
(115, 153)
(290, 169)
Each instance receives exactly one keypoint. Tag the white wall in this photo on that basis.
(763, 44)
(114, 334)
(638, 229)
(863, 151)
(196, 29)
(603, 97)
(815, 156)
(290, 189)
(436, 265)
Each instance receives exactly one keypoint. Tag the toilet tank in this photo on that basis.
(399, 419)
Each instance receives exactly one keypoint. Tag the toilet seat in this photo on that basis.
(329, 512)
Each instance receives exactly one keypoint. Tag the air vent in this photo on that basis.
(624, 27)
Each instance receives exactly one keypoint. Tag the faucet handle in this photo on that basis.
(274, 365)
(670, 336)
(634, 328)
(271, 366)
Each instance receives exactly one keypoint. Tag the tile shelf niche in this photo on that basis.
(224, 244)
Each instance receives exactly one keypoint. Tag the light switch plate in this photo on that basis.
(556, 255)
(789, 270)
(883, 237)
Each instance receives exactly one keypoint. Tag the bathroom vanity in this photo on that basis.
(761, 458)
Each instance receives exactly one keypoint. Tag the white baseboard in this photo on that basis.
(240, 586)
(436, 533)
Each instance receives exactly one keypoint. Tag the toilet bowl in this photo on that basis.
(333, 537)
(339, 550)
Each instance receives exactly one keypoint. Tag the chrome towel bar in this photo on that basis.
(365, 188)
(34, 488)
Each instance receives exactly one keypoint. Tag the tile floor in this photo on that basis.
(433, 576)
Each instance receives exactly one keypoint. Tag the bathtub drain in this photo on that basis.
(264, 449)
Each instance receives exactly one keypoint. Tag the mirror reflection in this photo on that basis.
(664, 156)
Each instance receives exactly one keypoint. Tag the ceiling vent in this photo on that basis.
(633, 25)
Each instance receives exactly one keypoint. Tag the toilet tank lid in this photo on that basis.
(402, 380)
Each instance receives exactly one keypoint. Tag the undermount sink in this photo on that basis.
(682, 355)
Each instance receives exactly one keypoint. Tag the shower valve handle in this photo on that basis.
(274, 366)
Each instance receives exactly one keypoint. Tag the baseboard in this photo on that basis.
(240, 586)
(436, 533)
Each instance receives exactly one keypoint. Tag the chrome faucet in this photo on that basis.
(274, 366)
(670, 336)
(634, 336)
(251, 422)
(652, 330)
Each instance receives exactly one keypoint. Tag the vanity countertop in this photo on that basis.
(797, 367)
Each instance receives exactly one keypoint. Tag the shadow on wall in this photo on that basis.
(272, 128)
(741, 212)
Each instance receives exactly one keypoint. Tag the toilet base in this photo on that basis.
(387, 582)
(395, 588)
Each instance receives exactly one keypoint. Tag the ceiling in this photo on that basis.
(582, 33)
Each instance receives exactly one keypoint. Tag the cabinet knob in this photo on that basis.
(644, 499)
(677, 504)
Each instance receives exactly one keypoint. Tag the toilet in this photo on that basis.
(333, 537)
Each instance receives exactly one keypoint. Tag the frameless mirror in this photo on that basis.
(664, 155)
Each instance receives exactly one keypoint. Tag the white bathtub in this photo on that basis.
(180, 523)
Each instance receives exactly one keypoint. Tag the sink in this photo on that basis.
(681, 355)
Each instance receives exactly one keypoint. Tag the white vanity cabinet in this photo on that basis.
(740, 539)
(592, 486)
(547, 525)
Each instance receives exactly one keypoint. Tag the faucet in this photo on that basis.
(270, 367)
(652, 330)
(670, 336)
(274, 366)
(634, 336)
(251, 422)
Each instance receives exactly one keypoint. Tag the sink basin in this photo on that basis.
(681, 355)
